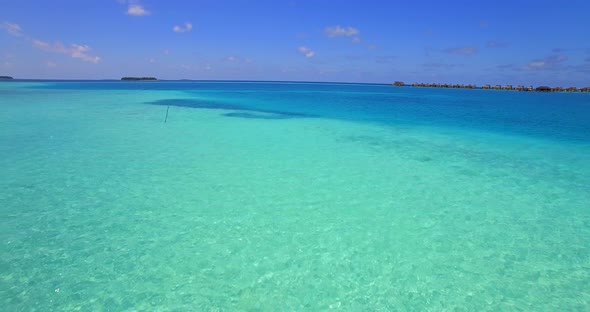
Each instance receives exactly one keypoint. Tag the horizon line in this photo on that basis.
(240, 80)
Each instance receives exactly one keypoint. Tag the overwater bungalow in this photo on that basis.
(495, 87)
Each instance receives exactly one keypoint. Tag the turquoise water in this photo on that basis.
(290, 197)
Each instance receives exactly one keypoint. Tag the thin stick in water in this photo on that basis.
(167, 109)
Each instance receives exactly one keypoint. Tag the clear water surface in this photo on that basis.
(258, 196)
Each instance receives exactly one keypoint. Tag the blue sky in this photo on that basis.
(482, 42)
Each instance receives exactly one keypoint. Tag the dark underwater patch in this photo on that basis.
(258, 116)
(195, 104)
(241, 111)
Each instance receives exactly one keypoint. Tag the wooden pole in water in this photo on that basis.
(167, 109)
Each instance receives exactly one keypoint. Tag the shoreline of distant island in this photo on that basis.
(397, 83)
(495, 87)
(139, 78)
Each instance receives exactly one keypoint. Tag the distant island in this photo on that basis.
(496, 87)
(139, 78)
(5, 78)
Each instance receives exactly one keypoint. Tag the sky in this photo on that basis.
(481, 42)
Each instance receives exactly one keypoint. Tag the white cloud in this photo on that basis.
(79, 51)
(232, 58)
(50, 64)
(356, 40)
(137, 10)
(180, 29)
(74, 50)
(338, 31)
(12, 28)
(307, 52)
(167, 52)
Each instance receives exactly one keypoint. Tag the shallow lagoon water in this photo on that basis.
(282, 196)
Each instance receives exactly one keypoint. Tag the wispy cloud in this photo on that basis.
(305, 51)
(496, 44)
(547, 63)
(182, 29)
(347, 31)
(135, 9)
(78, 51)
(74, 50)
(462, 50)
(338, 31)
(50, 64)
(12, 28)
(237, 59)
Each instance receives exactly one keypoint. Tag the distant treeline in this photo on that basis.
(139, 78)
(496, 87)
(5, 77)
